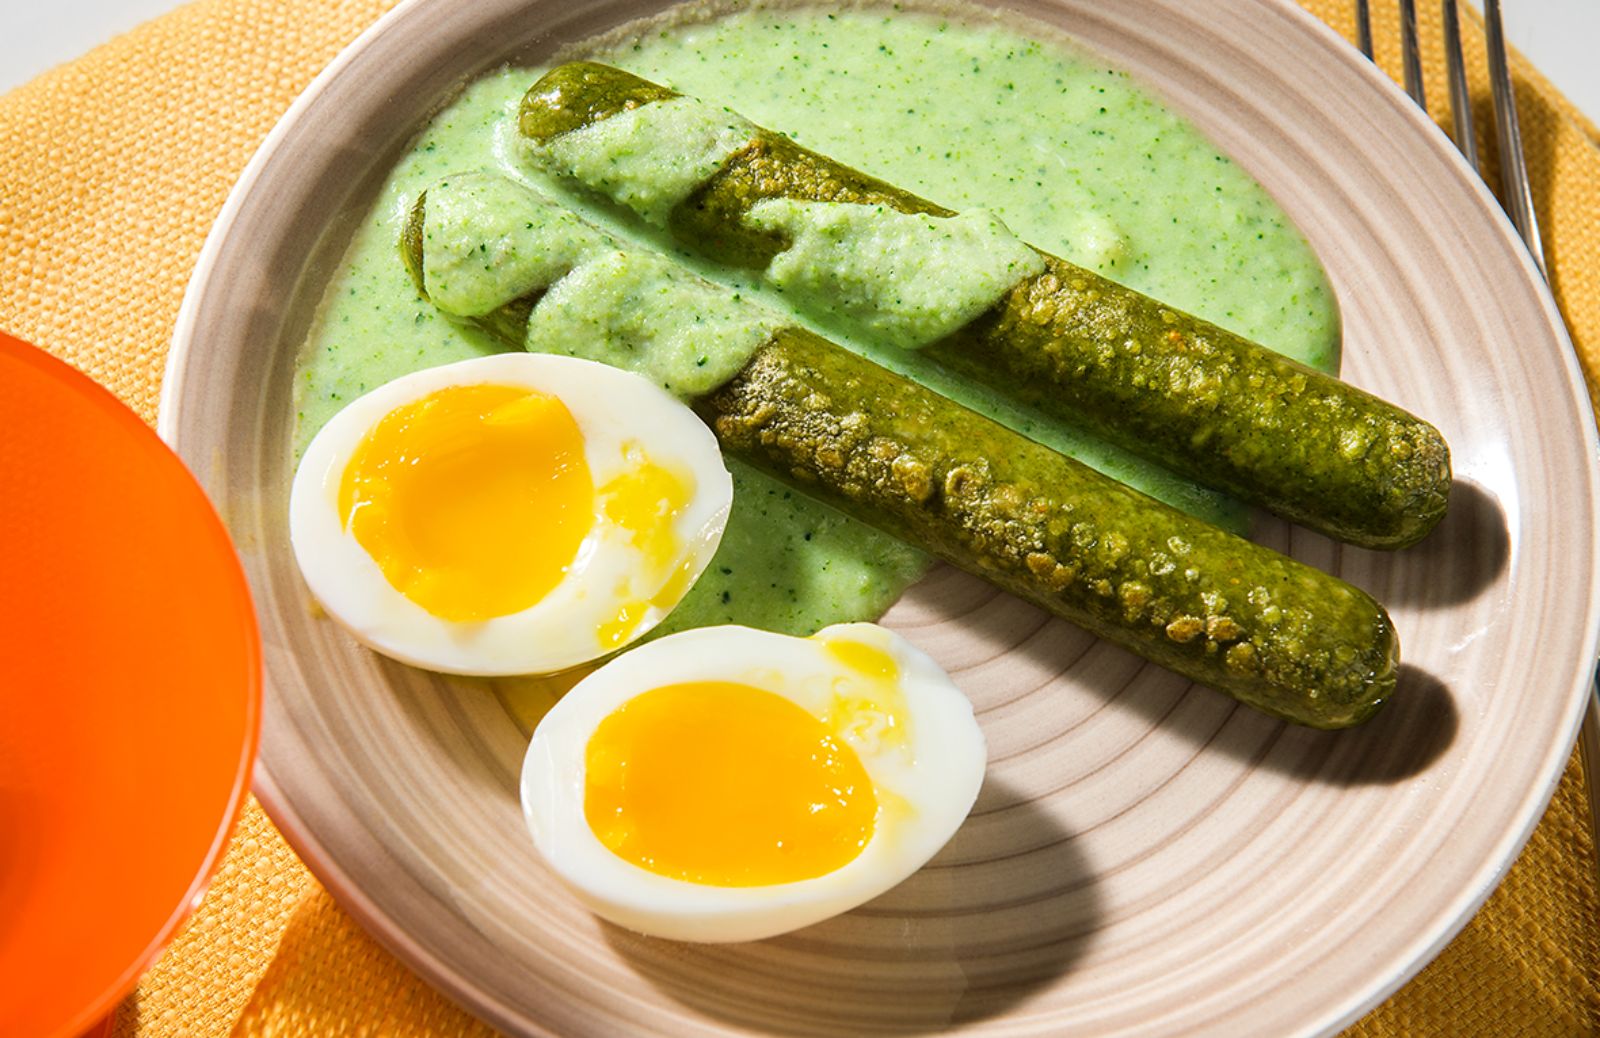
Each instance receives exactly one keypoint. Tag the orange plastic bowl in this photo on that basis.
(130, 695)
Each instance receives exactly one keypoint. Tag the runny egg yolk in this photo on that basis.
(868, 706)
(473, 500)
(646, 500)
(726, 784)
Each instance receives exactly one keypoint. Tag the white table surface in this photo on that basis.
(1559, 35)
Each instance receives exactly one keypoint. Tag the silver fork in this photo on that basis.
(1518, 204)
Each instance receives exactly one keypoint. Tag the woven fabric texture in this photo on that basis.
(113, 167)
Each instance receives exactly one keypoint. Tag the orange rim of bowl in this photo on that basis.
(124, 426)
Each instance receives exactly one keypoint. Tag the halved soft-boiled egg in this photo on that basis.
(729, 784)
(513, 514)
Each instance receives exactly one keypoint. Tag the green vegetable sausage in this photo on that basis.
(1156, 381)
(1261, 627)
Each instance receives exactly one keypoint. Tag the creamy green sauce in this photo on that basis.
(903, 279)
(974, 115)
(489, 241)
(642, 312)
(650, 158)
(1068, 152)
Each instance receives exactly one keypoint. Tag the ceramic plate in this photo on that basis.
(1146, 857)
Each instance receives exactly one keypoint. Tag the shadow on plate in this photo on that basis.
(481, 725)
(1006, 908)
(1404, 739)
(1464, 554)
(1412, 731)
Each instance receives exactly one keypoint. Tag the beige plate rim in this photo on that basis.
(1400, 964)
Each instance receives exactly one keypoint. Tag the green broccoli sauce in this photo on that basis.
(903, 279)
(653, 157)
(643, 313)
(487, 245)
(489, 241)
(1069, 154)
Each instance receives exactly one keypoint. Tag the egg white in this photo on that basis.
(925, 784)
(611, 408)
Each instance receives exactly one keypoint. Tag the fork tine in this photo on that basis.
(1411, 54)
(1519, 204)
(1513, 169)
(1460, 99)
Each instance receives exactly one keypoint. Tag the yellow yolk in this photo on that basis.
(726, 784)
(869, 706)
(871, 661)
(646, 500)
(473, 501)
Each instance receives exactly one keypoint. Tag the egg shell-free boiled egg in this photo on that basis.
(512, 514)
(676, 832)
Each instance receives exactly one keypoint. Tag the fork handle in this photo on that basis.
(1508, 135)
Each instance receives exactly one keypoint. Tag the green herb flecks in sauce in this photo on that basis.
(904, 279)
(1069, 154)
(486, 245)
(651, 157)
(641, 312)
(489, 241)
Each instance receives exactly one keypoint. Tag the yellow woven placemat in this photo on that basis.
(112, 169)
